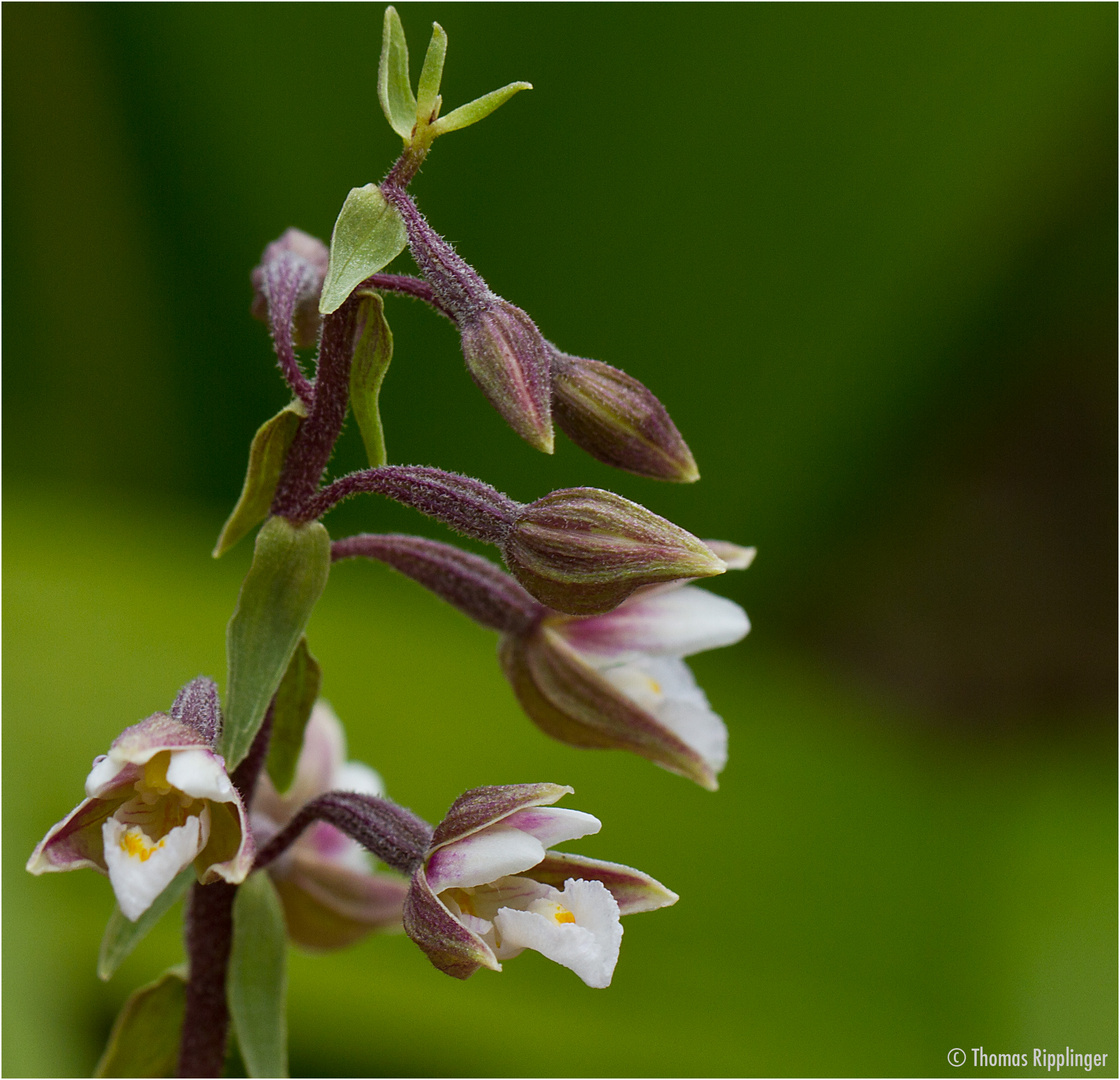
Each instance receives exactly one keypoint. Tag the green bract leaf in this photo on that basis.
(288, 575)
(478, 109)
(367, 370)
(431, 75)
(296, 695)
(394, 90)
(122, 936)
(266, 459)
(145, 1037)
(368, 234)
(258, 978)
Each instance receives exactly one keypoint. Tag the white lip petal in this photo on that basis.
(676, 622)
(201, 775)
(553, 824)
(356, 776)
(139, 877)
(665, 688)
(487, 855)
(588, 945)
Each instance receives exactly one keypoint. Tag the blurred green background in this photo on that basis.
(866, 256)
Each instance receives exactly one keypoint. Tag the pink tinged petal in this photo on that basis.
(141, 742)
(229, 851)
(76, 841)
(633, 891)
(483, 806)
(359, 777)
(448, 944)
(200, 774)
(579, 929)
(140, 868)
(553, 824)
(482, 857)
(668, 622)
(321, 756)
(665, 688)
(329, 907)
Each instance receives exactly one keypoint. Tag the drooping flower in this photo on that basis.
(157, 802)
(490, 887)
(613, 680)
(332, 897)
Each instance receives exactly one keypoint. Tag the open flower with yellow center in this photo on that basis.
(490, 887)
(157, 802)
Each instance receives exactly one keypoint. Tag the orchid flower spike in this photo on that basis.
(157, 802)
(490, 887)
(331, 894)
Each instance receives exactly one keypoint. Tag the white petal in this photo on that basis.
(676, 622)
(553, 824)
(665, 687)
(359, 777)
(104, 769)
(483, 857)
(320, 757)
(200, 774)
(137, 880)
(588, 946)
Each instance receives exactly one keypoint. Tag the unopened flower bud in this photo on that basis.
(287, 284)
(582, 551)
(617, 420)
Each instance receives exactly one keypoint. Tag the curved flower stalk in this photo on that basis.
(490, 887)
(616, 680)
(331, 895)
(157, 802)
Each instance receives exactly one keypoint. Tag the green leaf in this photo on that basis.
(367, 371)
(145, 1038)
(122, 936)
(431, 75)
(294, 699)
(266, 459)
(258, 977)
(368, 234)
(394, 90)
(478, 109)
(288, 575)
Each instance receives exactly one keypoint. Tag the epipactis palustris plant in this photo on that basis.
(253, 807)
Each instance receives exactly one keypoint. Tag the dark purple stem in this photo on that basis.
(314, 441)
(209, 935)
(287, 279)
(406, 285)
(472, 584)
(469, 506)
(456, 286)
(393, 834)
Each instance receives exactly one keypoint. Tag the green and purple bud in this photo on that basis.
(489, 887)
(287, 284)
(505, 353)
(583, 551)
(617, 420)
(159, 801)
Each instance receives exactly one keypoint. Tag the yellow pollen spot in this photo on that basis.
(155, 773)
(136, 845)
(563, 915)
(655, 686)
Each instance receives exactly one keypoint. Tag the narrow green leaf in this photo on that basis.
(145, 1037)
(266, 459)
(367, 371)
(122, 936)
(394, 90)
(288, 575)
(478, 109)
(431, 75)
(297, 693)
(368, 234)
(258, 977)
